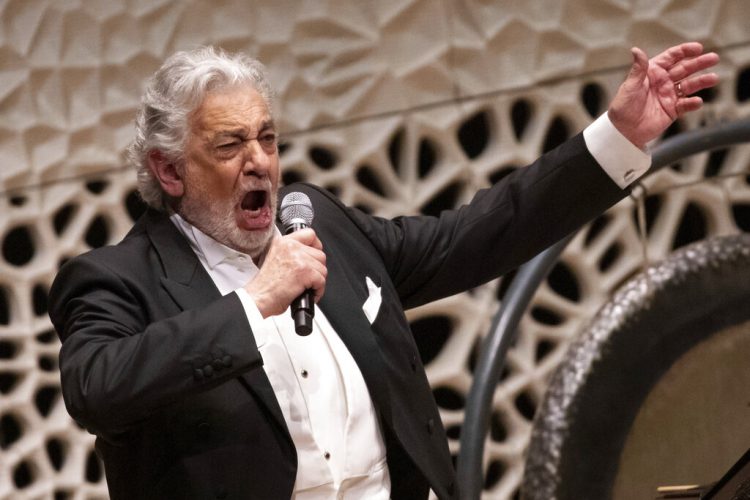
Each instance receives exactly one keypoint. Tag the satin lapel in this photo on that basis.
(190, 287)
(341, 307)
(185, 280)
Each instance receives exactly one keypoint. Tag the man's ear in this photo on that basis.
(167, 173)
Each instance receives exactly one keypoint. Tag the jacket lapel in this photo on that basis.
(342, 307)
(190, 286)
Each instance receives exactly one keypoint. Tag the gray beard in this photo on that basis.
(221, 227)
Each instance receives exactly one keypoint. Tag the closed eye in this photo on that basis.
(267, 139)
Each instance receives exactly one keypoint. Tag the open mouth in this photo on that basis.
(254, 200)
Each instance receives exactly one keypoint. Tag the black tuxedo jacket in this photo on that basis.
(166, 372)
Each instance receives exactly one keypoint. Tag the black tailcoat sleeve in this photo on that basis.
(428, 258)
(167, 374)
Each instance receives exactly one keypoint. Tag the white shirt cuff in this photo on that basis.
(622, 160)
(258, 324)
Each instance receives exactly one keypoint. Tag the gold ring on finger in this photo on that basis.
(678, 90)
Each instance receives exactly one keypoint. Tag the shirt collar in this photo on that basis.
(212, 251)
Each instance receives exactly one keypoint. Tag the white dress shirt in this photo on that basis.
(620, 158)
(321, 392)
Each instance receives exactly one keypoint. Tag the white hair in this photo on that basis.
(176, 89)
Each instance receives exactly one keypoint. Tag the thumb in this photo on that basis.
(640, 64)
(305, 236)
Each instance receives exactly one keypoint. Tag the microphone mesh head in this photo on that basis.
(296, 207)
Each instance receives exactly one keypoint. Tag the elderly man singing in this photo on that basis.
(178, 350)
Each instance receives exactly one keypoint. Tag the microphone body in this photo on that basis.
(296, 213)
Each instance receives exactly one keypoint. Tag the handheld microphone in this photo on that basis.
(296, 213)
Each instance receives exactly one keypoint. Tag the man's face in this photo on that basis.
(231, 170)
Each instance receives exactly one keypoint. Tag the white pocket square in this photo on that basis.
(372, 304)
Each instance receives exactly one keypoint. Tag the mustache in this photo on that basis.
(255, 184)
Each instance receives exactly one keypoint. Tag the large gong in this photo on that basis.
(656, 390)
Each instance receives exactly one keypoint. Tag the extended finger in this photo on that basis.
(675, 54)
(698, 83)
(687, 67)
(689, 104)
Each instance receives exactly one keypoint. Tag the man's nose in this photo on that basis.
(257, 159)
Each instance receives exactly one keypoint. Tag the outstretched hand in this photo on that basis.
(658, 91)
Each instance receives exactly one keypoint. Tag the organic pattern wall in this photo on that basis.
(397, 106)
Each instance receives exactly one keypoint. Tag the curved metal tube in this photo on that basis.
(516, 300)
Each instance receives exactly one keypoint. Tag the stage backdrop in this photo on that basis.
(397, 106)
